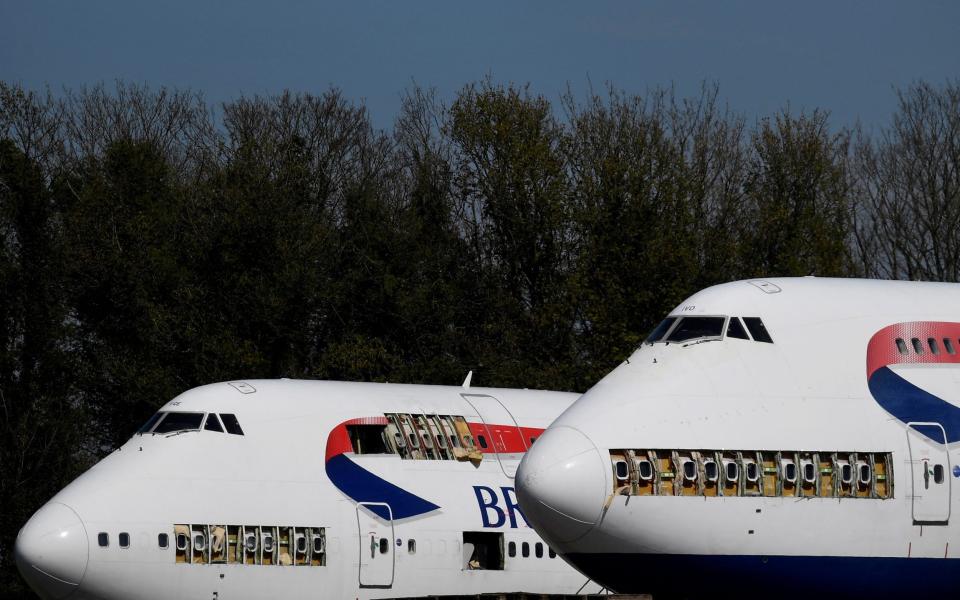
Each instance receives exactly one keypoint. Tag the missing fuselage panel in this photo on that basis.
(482, 551)
(771, 473)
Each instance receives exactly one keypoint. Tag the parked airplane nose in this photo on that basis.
(561, 484)
(51, 551)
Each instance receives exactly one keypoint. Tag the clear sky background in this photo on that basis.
(837, 55)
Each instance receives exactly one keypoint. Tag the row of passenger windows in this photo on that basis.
(418, 437)
(933, 344)
(259, 545)
(175, 422)
(685, 329)
(250, 545)
(481, 549)
(525, 550)
(752, 473)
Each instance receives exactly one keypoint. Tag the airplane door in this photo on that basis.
(930, 470)
(503, 433)
(375, 528)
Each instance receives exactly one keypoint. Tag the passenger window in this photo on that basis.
(525, 550)
(934, 348)
(846, 473)
(163, 540)
(938, 473)
(213, 423)
(249, 541)
(620, 467)
(917, 346)
(789, 471)
(732, 471)
(902, 346)
(758, 330)
(179, 421)
(864, 476)
(103, 539)
(512, 549)
(753, 471)
(690, 328)
(384, 545)
(948, 344)
(551, 553)
(689, 470)
(411, 546)
(735, 329)
(710, 470)
(124, 539)
(538, 550)
(532, 440)
(645, 469)
(482, 440)
(231, 424)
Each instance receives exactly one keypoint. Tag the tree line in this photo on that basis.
(151, 242)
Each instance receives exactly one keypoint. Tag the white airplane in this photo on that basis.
(305, 489)
(778, 438)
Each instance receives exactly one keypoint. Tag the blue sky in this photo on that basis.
(842, 56)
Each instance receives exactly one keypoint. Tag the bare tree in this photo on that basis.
(908, 214)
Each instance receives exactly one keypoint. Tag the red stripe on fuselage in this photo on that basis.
(882, 349)
(338, 442)
(506, 439)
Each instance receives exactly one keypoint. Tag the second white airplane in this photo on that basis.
(771, 439)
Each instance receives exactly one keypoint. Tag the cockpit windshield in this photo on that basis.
(661, 330)
(685, 329)
(179, 421)
(146, 427)
(170, 422)
(690, 328)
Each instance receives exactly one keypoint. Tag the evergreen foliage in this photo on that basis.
(148, 246)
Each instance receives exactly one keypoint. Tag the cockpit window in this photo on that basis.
(231, 423)
(179, 421)
(735, 329)
(657, 334)
(146, 427)
(757, 329)
(213, 423)
(690, 328)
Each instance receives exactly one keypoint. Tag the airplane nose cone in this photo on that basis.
(51, 551)
(562, 485)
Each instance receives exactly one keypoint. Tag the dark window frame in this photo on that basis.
(661, 330)
(758, 331)
(741, 331)
(177, 421)
(212, 419)
(705, 327)
(231, 423)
